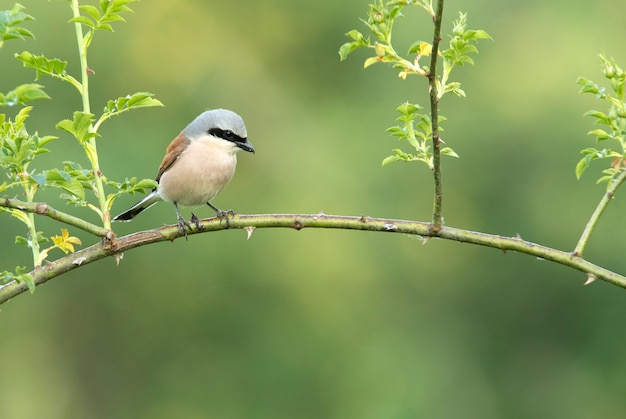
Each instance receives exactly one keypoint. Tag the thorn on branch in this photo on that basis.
(390, 227)
(590, 278)
(249, 230)
(79, 261)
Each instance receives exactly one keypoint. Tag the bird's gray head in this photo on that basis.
(223, 124)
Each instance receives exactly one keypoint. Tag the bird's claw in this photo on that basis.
(196, 221)
(183, 226)
(224, 215)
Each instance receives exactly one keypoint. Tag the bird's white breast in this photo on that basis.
(200, 172)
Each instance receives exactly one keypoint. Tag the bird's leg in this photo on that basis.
(222, 215)
(182, 224)
(196, 221)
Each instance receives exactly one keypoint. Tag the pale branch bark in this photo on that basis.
(116, 246)
(42, 208)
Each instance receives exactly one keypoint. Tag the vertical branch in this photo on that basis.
(82, 51)
(32, 229)
(591, 224)
(90, 146)
(437, 220)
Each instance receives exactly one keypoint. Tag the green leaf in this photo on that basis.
(408, 109)
(45, 66)
(22, 94)
(92, 11)
(84, 20)
(601, 116)
(126, 103)
(79, 127)
(455, 89)
(105, 26)
(390, 159)
(22, 241)
(397, 132)
(447, 151)
(63, 180)
(110, 13)
(136, 100)
(600, 134)
(371, 60)
(357, 36)
(144, 185)
(581, 166)
(40, 178)
(9, 21)
(104, 5)
(346, 49)
(24, 276)
(594, 153)
(21, 275)
(476, 34)
(21, 215)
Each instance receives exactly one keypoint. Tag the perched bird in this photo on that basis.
(197, 165)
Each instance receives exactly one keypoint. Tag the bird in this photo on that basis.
(197, 165)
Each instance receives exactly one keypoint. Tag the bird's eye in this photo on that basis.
(224, 134)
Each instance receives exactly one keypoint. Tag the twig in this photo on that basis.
(434, 115)
(45, 209)
(298, 222)
(604, 202)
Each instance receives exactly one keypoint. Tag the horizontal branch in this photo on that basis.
(249, 223)
(45, 209)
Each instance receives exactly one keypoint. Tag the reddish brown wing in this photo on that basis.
(176, 147)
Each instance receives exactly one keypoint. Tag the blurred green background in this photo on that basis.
(322, 323)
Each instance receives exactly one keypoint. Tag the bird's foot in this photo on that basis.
(196, 221)
(224, 215)
(183, 226)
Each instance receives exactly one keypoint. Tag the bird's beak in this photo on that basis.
(245, 146)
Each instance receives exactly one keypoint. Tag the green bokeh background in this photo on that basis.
(321, 323)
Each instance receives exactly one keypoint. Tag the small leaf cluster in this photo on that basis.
(97, 20)
(18, 149)
(110, 11)
(9, 21)
(462, 44)
(44, 66)
(380, 22)
(22, 94)
(416, 127)
(20, 275)
(612, 134)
